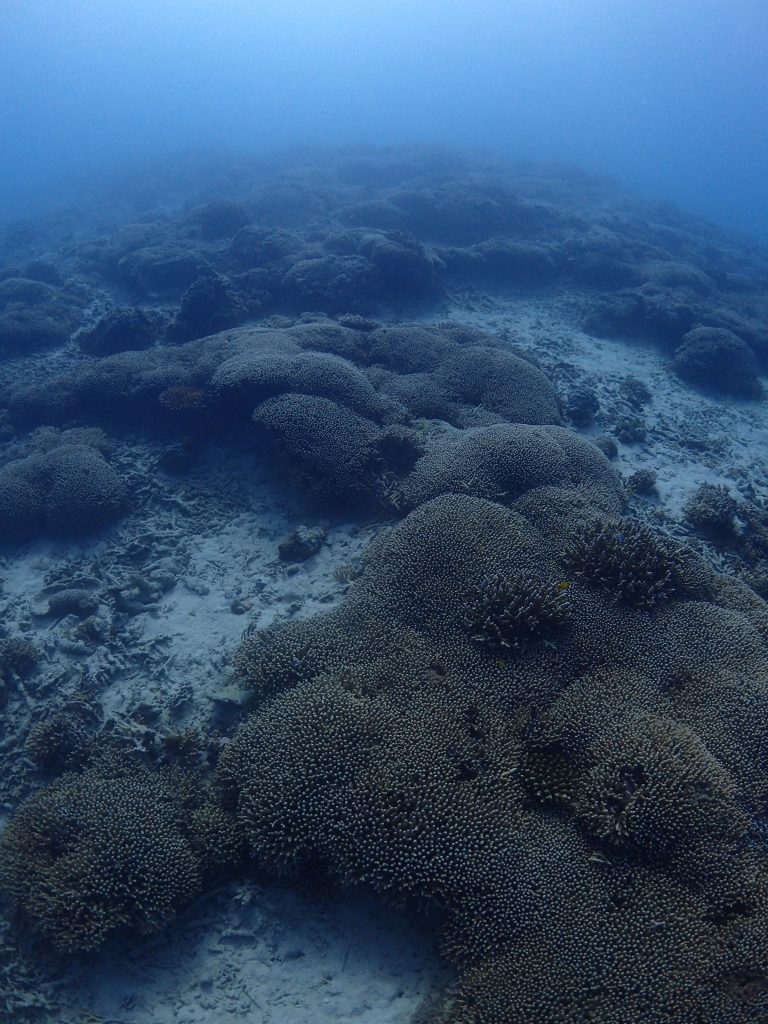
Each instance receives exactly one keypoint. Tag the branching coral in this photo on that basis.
(18, 657)
(628, 559)
(505, 613)
(712, 510)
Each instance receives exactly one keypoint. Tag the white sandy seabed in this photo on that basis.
(256, 953)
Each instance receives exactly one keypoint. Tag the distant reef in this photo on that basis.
(384, 233)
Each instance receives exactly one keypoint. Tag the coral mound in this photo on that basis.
(66, 492)
(716, 358)
(583, 812)
(112, 848)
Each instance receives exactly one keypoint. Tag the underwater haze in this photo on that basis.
(671, 99)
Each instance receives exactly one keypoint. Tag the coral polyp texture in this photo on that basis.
(115, 847)
(505, 613)
(69, 491)
(584, 812)
(628, 560)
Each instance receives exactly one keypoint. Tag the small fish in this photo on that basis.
(563, 585)
(501, 663)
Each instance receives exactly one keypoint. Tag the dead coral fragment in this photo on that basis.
(505, 613)
(627, 558)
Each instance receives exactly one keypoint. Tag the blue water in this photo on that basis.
(669, 98)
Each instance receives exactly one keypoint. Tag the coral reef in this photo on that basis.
(161, 270)
(394, 755)
(504, 461)
(220, 218)
(120, 330)
(718, 359)
(712, 510)
(62, 741)
(34, 315)
(331, 447)
(18, 657)
(371, 384)
(642, 481)
(582, 406)
(541, 723)
(207, 306)
(607, 446)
